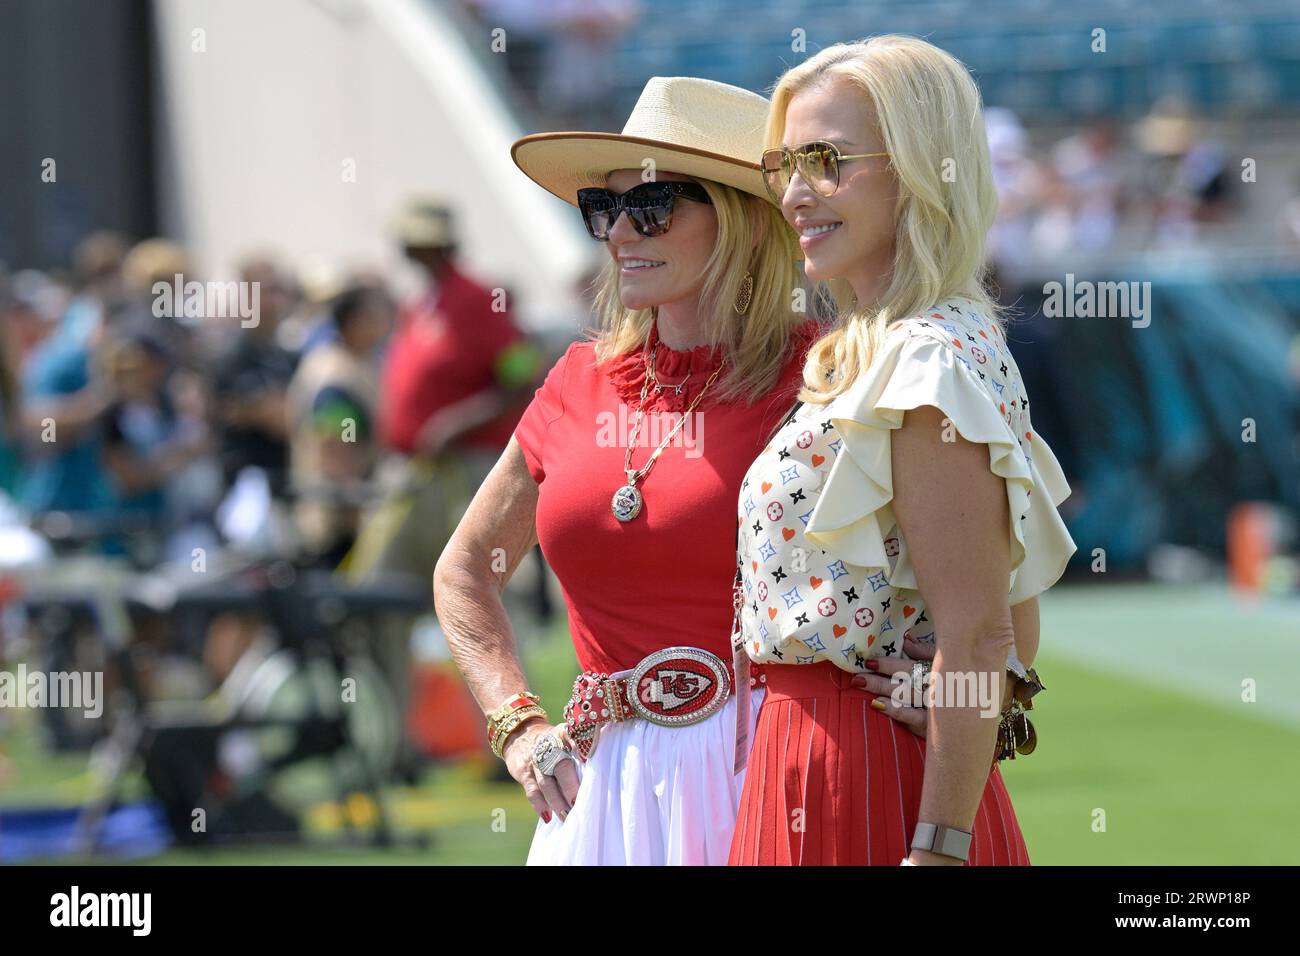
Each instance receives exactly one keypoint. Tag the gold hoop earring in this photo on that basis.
(745, 294)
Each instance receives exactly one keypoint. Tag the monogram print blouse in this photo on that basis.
(825, 568)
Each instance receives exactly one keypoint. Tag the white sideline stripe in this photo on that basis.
(1202, 641)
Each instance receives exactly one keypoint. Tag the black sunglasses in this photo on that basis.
(649, 207)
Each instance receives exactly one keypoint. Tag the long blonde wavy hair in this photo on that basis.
(929, 111)
(755, 343)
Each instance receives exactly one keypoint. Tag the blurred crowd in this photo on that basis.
(1165, 182)
(561, 60)
(134, 422)
(312, 439)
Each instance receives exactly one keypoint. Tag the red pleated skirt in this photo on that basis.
(854, 772)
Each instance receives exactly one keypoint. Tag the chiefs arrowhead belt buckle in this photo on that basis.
(678, 686)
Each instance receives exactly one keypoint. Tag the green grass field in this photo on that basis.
(1147, 753)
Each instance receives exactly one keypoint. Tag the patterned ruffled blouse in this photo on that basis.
(826, 570)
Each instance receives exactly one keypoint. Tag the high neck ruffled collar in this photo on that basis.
(628, 373)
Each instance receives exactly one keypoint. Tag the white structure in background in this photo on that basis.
(300, 126)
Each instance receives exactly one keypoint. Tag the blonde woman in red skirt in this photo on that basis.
(908, 506)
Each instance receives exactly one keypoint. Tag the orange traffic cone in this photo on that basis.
(444, 720)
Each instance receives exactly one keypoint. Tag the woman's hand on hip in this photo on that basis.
(548, 794)
(884, 684)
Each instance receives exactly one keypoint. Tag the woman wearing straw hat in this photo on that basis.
(625, 467)
(928, 504)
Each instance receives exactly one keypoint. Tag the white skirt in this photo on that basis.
(652, 795)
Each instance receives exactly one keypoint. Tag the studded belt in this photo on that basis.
(672, 687)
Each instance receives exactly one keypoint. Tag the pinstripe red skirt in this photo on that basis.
(856, 776)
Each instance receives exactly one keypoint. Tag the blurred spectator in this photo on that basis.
(580, 71)
(561, 56)
(1187, 172)
(332, 404)
(1203, 174)
(148, 444)
(9, 396)
(455, 382)
(1092, 168)
(1019, 184)
(525, 26)
(98, 270)
(250, 382)
(458, 362)
(63, 402)
(312, 322)
(152, 262)
(29, 305)
(32, 306)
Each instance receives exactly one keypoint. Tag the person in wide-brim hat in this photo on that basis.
(712, 132)
(610, 470)
(696, 127)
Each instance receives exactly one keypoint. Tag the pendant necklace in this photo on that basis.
(627, 501)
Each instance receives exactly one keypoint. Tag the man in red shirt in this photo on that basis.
(459, 366)
(458, 375)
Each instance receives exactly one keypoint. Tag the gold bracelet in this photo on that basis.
(514, 719)
(498, 740)
(504, 728)
(513, 702)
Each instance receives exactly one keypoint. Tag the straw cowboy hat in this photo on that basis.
(424, 223)
(686, 125)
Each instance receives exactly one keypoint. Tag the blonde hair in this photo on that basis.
(929, 113)
(755, 342)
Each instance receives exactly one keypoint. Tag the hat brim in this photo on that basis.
(563, 163)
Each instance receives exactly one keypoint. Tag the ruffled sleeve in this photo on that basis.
(854, 514)
(547, 406)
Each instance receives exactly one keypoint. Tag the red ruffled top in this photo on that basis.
(628, 372)
(664, 578)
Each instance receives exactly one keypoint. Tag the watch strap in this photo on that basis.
(942, 839)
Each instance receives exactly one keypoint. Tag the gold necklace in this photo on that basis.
(627, 501)
(659, 387)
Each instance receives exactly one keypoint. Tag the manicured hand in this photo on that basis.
(554, 794)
